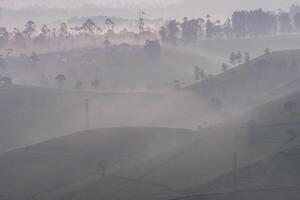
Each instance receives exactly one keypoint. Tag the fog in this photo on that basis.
(149, 100)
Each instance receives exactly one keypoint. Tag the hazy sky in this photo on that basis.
(204, 3)
(218, 8)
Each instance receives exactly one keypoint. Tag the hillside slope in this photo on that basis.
(143, 163)
(48, 169)
(35, 114)
(277, 171)
(255, 82)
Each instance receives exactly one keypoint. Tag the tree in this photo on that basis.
(267, 51)
(285, 23)
(177, 85)
(90, 27)
(63, 30)
(152, 48)
(141, 21)
(224, 67)
(30, 28)
(60, 78)
(297, 21)
(107, 44)
(4, 37)
(239, 23)
(6, 80)
(96, 83)
(203, 75)
(239, 57)
(2, 63)
(227, 28)
(232, 58)
(209, 27)
(18, 38)
(44, 35)
(190, 29)
(247, 57)
(197, 73)
(163, 34)
(34, 58)
(172, 31)
(109, 24)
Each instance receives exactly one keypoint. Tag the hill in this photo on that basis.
(35, 114)
(255, 82)
(274, 172)
(58, 166)
(142, 163)
(206, 158)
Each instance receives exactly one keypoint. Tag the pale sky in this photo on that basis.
(225, 3)
(217, 8)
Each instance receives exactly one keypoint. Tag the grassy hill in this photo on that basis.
(61, 165)
(255, 82)
(35, 114)
(139, 163)
(144, 163)
(277, 171)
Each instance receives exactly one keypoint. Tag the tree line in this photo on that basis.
(245, 23)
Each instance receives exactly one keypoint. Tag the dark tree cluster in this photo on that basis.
(246, 23)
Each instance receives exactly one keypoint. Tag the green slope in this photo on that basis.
(255, 82)
(277, 171)
(55, 167)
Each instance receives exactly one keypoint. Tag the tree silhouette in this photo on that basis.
(90, 27)
(30, 28)
(109, 24)
(141, 21)
(285, 23)
(172, 31)
(197, 72)
(267, 51)
(6, 80)
(247, 57)
(18, 38)
(152, 48)
(34, 58)
(4, 37)
(63, 30)
(60, 79)
(96, 83)
(232, 58)
(190, 29)
(163, 34)
(209, 27)
(239, 57)
(224, 67)
(297, 21)
(107, 44)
